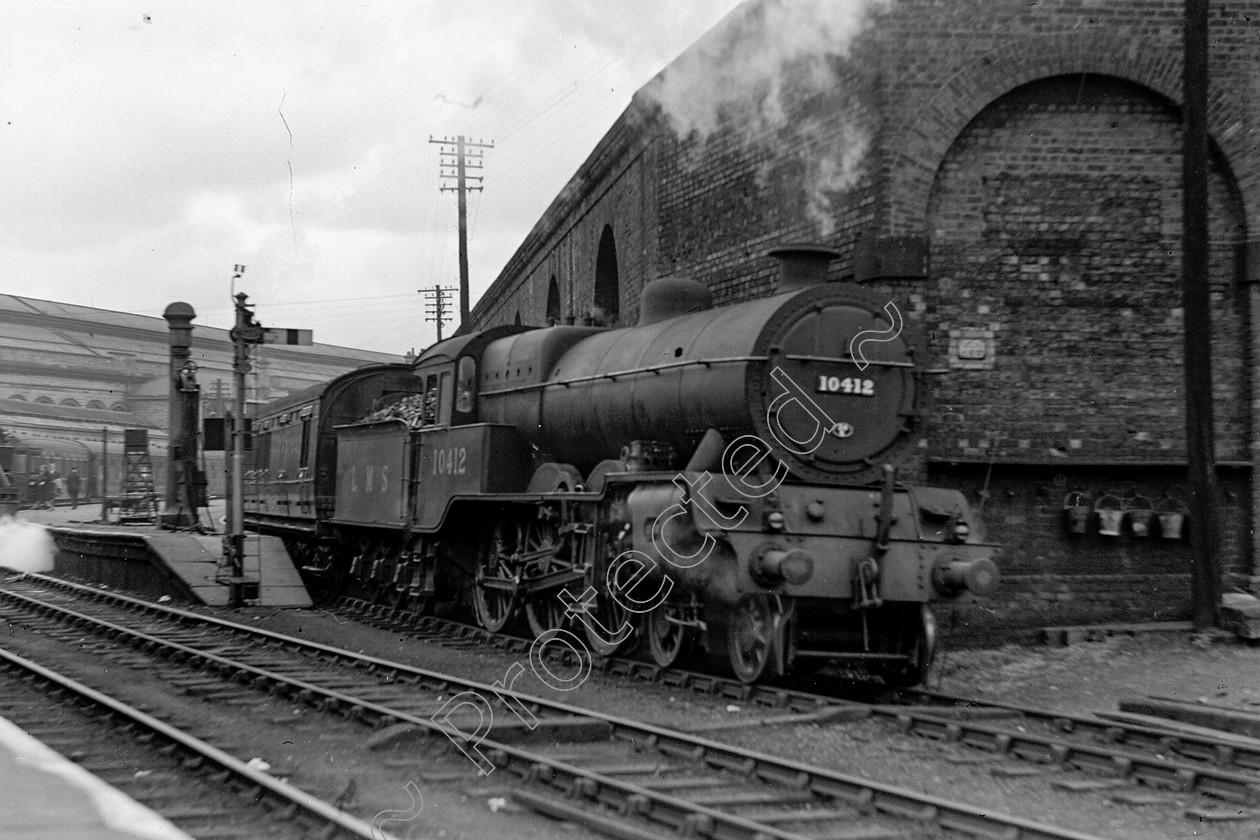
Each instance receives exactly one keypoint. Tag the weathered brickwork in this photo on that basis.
(567, 246)
(1055, 221)
(1033, 602)
(1052, 578)
(757, 183)
(1035, 149)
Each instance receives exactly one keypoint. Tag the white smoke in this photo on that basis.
(834, 173)
(25, 546)
(735, 78)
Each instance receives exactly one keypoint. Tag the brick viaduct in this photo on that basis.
(1009, 174)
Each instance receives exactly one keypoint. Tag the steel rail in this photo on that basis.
(1151, 770)
(772, 696)
(1154, 770)
(1198, 745)
(766, 695)
(573, 780)
(1020, 745)
(344, 824)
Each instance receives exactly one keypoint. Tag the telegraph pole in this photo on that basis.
(435, 307)
(458, 161)
(1205, 490)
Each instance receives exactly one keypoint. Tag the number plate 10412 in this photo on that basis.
(851, 385)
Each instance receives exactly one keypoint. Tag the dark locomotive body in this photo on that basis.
(714, 476)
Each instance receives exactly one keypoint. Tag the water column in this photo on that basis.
(179, 510)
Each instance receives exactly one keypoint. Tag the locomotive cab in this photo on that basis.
(399, 468)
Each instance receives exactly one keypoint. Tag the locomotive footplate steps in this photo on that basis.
(181, 565)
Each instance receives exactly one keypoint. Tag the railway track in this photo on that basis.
(623, 777)
(201, 789)
(1219, 767)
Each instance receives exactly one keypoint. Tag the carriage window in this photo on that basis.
(465, 388)
(305, 455)
(262, 450)
(430, 400)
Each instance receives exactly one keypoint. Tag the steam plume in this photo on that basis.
(25, 546)
(736, 77)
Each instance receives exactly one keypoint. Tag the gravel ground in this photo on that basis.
(1082, 678)
(1095, 676)
(319, 753)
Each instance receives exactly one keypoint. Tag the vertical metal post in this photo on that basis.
(229, 485)
(241, 336)
(1205, 491)
(104, 474)
(178, 510)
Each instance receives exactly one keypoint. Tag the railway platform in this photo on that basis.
(45, 796)
(182, 565)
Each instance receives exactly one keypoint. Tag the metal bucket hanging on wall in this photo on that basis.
(1075, 513)
(1172, 518)
(1141, 516)
(1110, 512)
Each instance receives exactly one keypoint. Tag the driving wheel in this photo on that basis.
(616, 619)
(495, 586)
(538, 541)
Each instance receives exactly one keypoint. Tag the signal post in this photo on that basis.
(245, 333)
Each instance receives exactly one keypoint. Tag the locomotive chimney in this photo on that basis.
(802, 265)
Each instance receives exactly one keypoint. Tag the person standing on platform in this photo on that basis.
(73, 483)
(54, 486)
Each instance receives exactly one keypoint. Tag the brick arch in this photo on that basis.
(919, 144)
(552, 309)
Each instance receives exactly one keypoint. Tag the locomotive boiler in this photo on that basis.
(716, 478)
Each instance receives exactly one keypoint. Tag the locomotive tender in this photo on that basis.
(713, 476)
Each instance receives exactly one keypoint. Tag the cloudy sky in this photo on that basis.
(146, 147)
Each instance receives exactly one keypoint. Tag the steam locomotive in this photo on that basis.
(712, 477)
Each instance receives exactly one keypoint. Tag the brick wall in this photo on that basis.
(1035, 148)
(1055, 222)
(949, 61)
(1053, 577)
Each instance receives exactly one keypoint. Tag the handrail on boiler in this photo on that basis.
(727, 360)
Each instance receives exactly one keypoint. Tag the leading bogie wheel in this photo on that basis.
(913, 634)
(756, 638)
